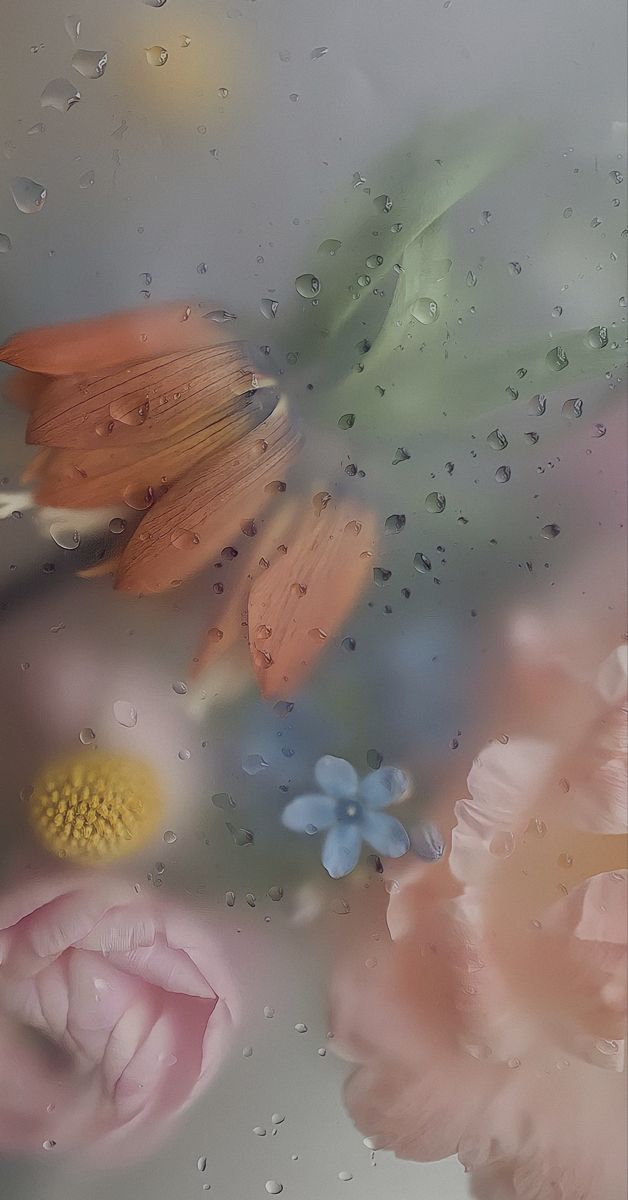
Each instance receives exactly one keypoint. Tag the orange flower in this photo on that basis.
(155, 410)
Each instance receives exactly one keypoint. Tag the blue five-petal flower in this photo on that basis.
(351, 811)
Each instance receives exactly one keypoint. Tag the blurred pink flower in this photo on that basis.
(493, 1025)
(115, 1012)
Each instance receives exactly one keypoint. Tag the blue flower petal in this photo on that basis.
(427, 841)
(383, 787)
(336, 777)
(307, 814)
(341, 849)
(385, 834)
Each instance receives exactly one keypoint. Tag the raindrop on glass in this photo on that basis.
(59, 94)
(550, 531)
(307, 286)
(87, 735)
(497, 440)
(425, 310)
(156, 56)
(170, 836)
(502, 474)
(435, 502)
(395, 523)
(125, 713)
(65, 535)
(471, 279)
(268, 307)
(331, 246)
(90, 63)
(502, 844)
(557, 359)
(29, 196)
(72, 26)
(572, 409)
(597, 338)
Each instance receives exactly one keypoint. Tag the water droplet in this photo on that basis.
(90, 63)
(383, 203)
(394, 523)
(568, 212)
(330, 246)
(514, 1063)
(497, 440)
(607, 1046)
(5, 243)
(307, 286)
(319, 52)
(170, 836)
(87, 180)
(59, 94)
(275, 893)
(87, 735)
(230, 899)
(65, 535)
(49, 1144)
(201, 1163)
(616, 176)
(363, 280)
(537, 405)
(184, 539)
(514, 268)
(273, 1187)
(557, 359)
(599, 430)
(247, 1051)
(180, 688)
(597, 337)
(300, 1027)
(502, 474)
(156, 56)
(241, 837)
(224, 92)
(125, 713)
(550, 531)
(72, 26)
(565, 860)
(29, 196)
(502, 844)
(422, 563)
(471, 279)
(572, 409)
(277, 1118)
(268, 307)
(220, 316)
(138, 498)
(425, 310)
(184, 755)
(381, 575)
(435, 502)
(252, 764)
(557, 310)
(345, 1176)
(373, 261)
(260, 1131)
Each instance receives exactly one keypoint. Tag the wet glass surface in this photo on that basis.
(312, 600)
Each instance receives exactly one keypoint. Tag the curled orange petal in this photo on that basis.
(148, 402)
(301, 601)
(106, 476)
(206, 507)
(84, 347)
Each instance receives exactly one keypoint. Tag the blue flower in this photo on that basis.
(351, 811)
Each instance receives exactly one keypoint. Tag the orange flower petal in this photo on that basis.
(297, 605)
(148, 402)
(96, 478)
(186, 528)
(24, 389)
(84, 347)
(231, 624)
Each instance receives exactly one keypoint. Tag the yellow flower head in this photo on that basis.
(94, 808)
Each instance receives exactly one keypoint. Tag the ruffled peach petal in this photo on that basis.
(301, 602)
(206, 507)
(84, 347)
(598, 785)
(106, 476)
(151, 401)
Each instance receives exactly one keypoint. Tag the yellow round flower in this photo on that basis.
(96, 807)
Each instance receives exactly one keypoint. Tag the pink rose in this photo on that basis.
(115, 1011)
(493, 1024)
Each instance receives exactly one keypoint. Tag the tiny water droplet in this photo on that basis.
(557, 359)
(319, 52)
(565, 860)
(422, 563)
(72, 26)
(29, 196)
(471, 279)
(330, 246)
(435, 502)
(568, 212)
(503, 474)
(557, 310)
(180, 687)
(345, 1176)
(275, 893)
(300, 1027)
(497, 440)
(273, 1187)
(373, 261)
(201, 1163)
(230, 899)
(597, 338)
(125, 713)
(383, 203)
(502, 844)
(550, 531)
(307, 286)
(87, 735)
(170, 836)
(156, 56)
(425, 310)
(49, 1144)
(514, 268)
(59, 94)
(268, 307)
(537, 405)
(90, 63)
(65, 535)
(395, 523)
(572, 409)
